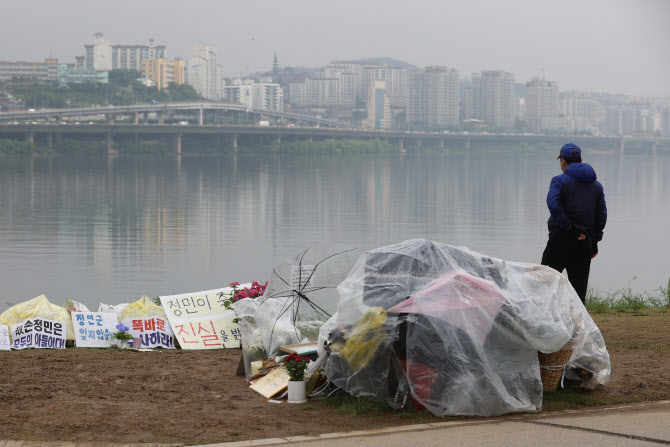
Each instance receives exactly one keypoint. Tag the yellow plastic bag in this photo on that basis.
(38, 307)
(142, 308)
(365, 338)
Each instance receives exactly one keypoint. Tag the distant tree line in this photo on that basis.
(123, 89)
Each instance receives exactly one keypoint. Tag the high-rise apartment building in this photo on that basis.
(433, 97)
(497, 98)
(37, 71)
(203, 72)
(239, 91)
(492, 99)
(665, 122)
(267, 96)
(541, 103)
(163, 72)
(264, 95)
(582, 112)
(104, 55)
(394, 77)
(619, 121)
(629, 120)
(379, 109)
(324, 91)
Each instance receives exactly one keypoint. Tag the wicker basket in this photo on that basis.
(552, 367)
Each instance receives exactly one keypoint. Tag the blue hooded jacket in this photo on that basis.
(576, 198)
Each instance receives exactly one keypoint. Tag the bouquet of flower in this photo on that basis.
(239, 293)
(122, 333)
(296, 366)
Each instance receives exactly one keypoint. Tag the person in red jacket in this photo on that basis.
(576, 202)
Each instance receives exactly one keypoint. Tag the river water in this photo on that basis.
(111, 230)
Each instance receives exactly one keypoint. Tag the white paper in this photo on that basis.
(94, 329)
(200, 320)
(5, 343)
(301, 277)
(39, 333)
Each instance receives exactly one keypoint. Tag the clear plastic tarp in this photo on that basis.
(302, 294)
(458, 330)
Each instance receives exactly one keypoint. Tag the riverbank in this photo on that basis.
(194, 397)
(9, 146)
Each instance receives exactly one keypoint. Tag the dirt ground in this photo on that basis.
(194, 397)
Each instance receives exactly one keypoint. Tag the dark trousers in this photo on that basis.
(564, 251)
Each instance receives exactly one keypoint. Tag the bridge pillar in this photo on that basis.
(418, 143)
(277, 140)
(467, 144)
(110, 144)
(235, 143)
(402, 145)
(136, 117)
(30, 137)
(161, 118)
(49, 139)
(177, 144)
(442, 144)
(621, 145)
(200, 116)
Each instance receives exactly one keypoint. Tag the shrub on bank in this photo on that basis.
(624, 300)
(17, 147)
(329, 146)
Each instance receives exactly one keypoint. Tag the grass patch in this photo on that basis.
(641, 345)
(566, 398)
(570, 398)
(307, 407)
(625, 300)
(355, 406)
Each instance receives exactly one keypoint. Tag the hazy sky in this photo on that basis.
(617, 46)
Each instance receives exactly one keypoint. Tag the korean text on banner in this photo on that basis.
(39, 333)
(201, 321)
(94, 329)
(5, 343)
(155, 332)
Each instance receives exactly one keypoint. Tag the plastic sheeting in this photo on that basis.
(112, 309)
(462, 330)
(142, 308)
(38, 307)
(302, 294)
(264, 328)
(74, 306)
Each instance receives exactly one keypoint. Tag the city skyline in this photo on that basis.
(604, 46)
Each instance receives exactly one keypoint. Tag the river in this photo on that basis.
(113, 229)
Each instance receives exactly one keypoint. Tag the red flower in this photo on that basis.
(233, 284)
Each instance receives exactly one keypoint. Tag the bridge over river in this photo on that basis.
(193, 112)
(50, 134)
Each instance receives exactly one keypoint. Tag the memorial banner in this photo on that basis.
(5, 343)
(200, 320)
(39, 333)
(154, 332)
(94, 329)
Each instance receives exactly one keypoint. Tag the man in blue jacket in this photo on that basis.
(576, 202)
